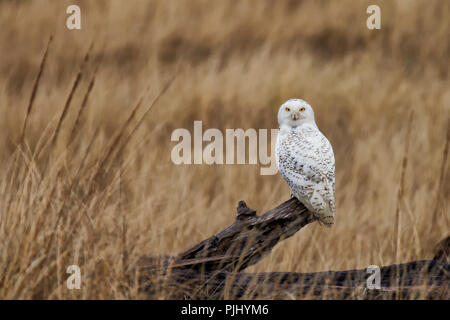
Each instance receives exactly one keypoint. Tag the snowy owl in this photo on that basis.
(305, 159)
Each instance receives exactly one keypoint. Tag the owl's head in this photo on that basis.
(294, 113)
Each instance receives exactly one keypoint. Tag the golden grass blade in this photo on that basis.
(139, 123)
(121, 132)
(83, 106)
(439, 194)
(401, 188)
(35, 87)
(70, 96)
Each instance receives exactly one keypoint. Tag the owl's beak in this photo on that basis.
(295, 116)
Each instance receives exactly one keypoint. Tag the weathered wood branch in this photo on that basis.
(211, 269)
(412, 280)
(248, 239)
(244, 242)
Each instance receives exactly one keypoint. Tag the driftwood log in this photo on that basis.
(212, 268)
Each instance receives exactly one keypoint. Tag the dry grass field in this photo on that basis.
(86, 177)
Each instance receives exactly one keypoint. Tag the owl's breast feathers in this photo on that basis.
(305, 160)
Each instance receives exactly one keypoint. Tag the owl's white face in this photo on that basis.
(294, 113)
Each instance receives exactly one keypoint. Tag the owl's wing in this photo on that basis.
(327, 159)
(299, 160)
(306, 162)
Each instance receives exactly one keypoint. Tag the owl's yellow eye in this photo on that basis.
(302, 109)
(287, 109)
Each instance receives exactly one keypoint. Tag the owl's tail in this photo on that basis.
(323, 208)
(327, 221)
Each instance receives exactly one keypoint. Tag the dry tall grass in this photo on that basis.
(92, 183)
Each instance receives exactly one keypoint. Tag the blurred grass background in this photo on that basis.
(67, 202)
